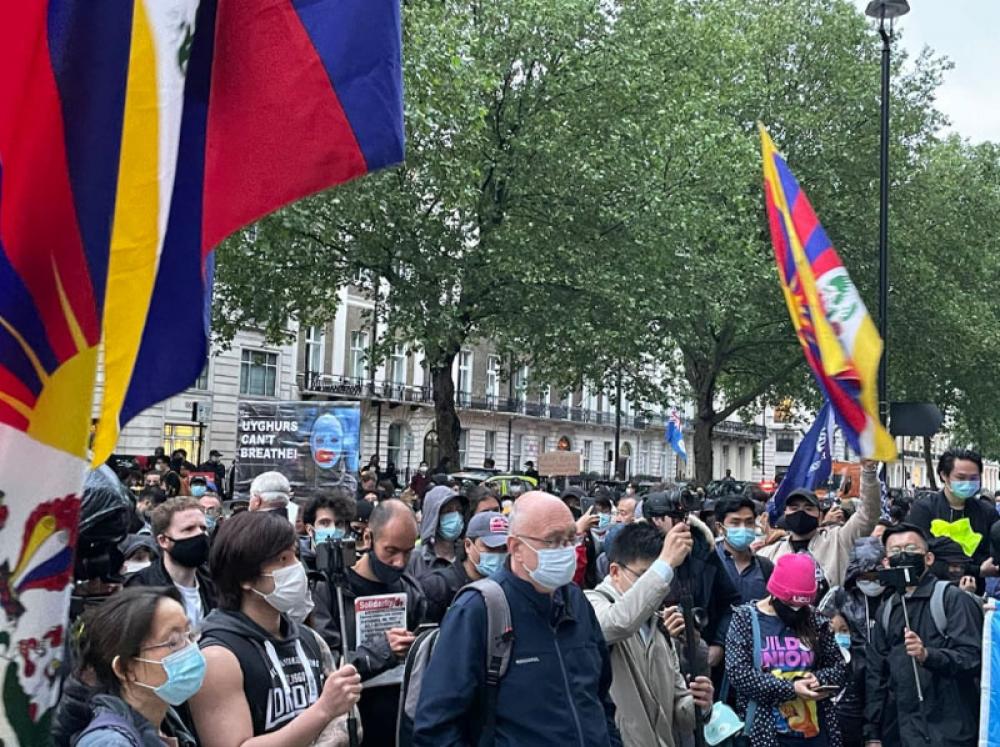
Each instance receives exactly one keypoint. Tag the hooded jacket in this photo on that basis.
(555, 691)
(859, 610)
(949, 715)
(114, 713)
(831, 546)
(424, 559)
(281, 677)
(647, 687)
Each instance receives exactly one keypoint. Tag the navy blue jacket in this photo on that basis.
(555, 691)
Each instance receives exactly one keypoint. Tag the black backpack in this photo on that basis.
(499, 638)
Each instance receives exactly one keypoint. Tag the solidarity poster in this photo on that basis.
(314, 444)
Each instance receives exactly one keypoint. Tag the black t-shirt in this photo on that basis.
(981, 515)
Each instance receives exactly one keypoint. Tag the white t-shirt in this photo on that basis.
(192, 603)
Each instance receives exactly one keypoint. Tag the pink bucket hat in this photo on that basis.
(794, 579)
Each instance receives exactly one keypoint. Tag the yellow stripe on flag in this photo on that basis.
(134, 235)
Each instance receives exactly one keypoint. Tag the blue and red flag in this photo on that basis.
(838, 337)
(134, 137)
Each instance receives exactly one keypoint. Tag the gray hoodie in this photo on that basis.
(424, 560)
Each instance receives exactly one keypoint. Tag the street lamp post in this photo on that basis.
(884, 10)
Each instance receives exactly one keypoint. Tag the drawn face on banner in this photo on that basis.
(326, 441)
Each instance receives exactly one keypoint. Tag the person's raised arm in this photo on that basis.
(222, 715)
(862, 522)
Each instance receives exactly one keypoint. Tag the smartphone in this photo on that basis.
(586, 504)
(827, 689)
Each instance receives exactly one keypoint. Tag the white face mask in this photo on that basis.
(871, 588)
(291, 595)
(134, 566)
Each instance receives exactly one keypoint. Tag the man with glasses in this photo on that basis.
(830, 546)
(651, 698)
(947, 661)
(556, 689)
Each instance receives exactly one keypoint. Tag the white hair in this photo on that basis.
(272, 488)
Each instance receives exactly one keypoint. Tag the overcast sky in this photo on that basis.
(968, 33)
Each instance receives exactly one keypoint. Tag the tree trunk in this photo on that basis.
(446, 421)
(703, 427)
(931, 479)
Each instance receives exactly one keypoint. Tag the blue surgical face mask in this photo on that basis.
(198, 490)
(843, 640)
(603, 521)
(185, 672)
(555, 567)
(490, 562)
(965, 489)
(740, 538)
(210, 522)
(322, 534)
(451, 525)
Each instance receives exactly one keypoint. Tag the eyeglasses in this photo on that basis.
(552, 544)
(893, 552)
(176, 641)
(636, 575)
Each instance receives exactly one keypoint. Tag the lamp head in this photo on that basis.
(887, 9)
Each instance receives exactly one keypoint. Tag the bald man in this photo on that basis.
(391, 534)
(555, 691)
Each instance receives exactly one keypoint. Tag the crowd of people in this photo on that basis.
(437, 614)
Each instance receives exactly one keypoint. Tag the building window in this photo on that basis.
(397, 365)
(463, 447)
(725, 459)
(493, 379)
(742, 455)
(589, 399)
(258, 373)
(546, 400)
(515, 459)
(644, 463)
(182, 436)
(567, 405)
(785, 444)
(432, 452)
(395, 450)
(491, 446)
(359, 354)
(608, 456)
(464, 379)
(587, 447)
(521, 387)
(315, 344)
(202, 381)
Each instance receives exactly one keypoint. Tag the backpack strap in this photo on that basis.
(757, 661)
(499, 642)
(937, 607)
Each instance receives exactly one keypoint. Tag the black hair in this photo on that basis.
(479, 494)
(116, 628)
(602, 501)
(171, 483)
(732, 504)
(905, 528)
(338, 499)
(639, 541)
(947, 461)
(241, 547)
(155, 495)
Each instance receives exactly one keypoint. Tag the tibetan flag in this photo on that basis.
(837, 335)
(134, 137)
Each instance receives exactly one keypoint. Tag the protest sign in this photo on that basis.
(314, 444)
(375, 615)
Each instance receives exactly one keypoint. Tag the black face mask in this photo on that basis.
(791, 617)
(385, 573)
(190, 552)
(801, 523)
(914, 560)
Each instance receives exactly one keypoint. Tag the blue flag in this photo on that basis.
(811, 464)
(674, 435)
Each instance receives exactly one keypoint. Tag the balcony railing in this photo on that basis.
(354, 388)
